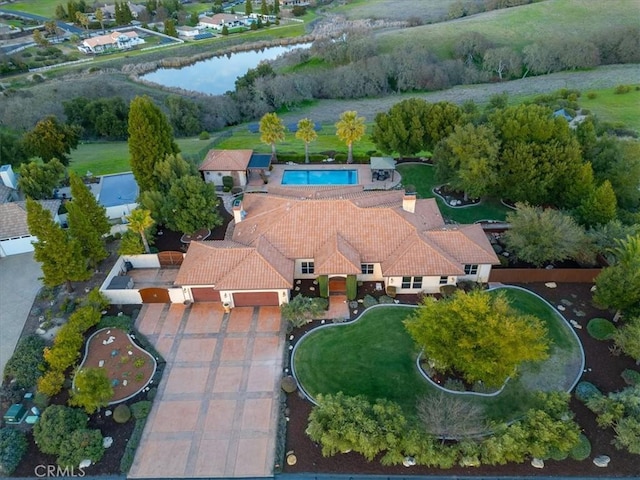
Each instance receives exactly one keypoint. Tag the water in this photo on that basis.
(118, 190)
(320, 177)
(216, 75)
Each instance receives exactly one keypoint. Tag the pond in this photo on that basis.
(217, 75)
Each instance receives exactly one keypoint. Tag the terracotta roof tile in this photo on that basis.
(467, 244)
(337, 256)
(221, 160)
(415, 257)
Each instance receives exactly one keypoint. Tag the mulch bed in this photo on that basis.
(119, 357)
(602, 369)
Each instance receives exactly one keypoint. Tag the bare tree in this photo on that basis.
(450, 417)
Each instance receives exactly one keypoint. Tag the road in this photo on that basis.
(63, 26)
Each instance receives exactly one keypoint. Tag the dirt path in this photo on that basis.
(602, 77)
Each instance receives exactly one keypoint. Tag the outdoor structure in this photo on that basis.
(336, 236)
(111, 41)
(221, 20)
(118, 194)
(186, 31)
(8, 184)
(382, 168)
(14, 231)
(232, 163)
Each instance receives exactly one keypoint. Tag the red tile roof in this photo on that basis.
(226, 160)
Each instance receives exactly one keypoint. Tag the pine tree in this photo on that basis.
(87, 221)
(61, 256)
(264, 9)
(248, 8)
(150, 140)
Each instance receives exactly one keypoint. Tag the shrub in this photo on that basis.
(138, 362)
(236, 190)
(447, 290)
(582, 450)
(55, 427)
(51, 383)
(227, 183)
(627, 338)
(92, 389)
(121, 414)
(132, 445)
(586, 390)
(84, 318)
(82, 444)
(24, 364)
(601, 328)
(622, 89)
(391, 291)
(352, 287)
(323, 286)
(141, 409)
(123, 322)
(631, 377)
(204, 135)
(385, 299)
(13, 446)
(151, 394)
(40, 400)
(96, 299)
(369, 301)
(289, 384)
(454, 384)
(301, 310)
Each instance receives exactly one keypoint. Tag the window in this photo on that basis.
(367, 268)
(470, 269)
(411, 282)
(444, 280)
(307, 267)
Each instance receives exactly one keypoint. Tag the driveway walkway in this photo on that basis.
(216, 411)
(19, 285)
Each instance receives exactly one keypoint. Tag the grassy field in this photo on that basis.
(102, 158)
(426, 10)
(613, 107)
(517, 27)
(375, 357)
(423, 178)
(46, 8)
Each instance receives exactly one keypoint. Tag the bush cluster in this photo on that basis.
(13, 446)
(25, 365)
(121, 414)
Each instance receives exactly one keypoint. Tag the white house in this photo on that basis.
(221, 20)
(14, 231)
(111, 41)
(186, 31)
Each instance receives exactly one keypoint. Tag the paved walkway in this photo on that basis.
(217, 406)
(19, 285)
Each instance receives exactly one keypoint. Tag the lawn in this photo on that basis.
(375, 357)
(612, 107)
(46, 8)
(519, 26)
(103, 158)
(423, 178)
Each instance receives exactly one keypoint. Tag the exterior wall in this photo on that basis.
(120, 211)
(124, 297)
(376, 277)
(297, 269)
(16, 245)
(227, 295)
(143, 261)
(429, 284)
(482, 276)
(215, 177)
(177, 295)
(560, 275)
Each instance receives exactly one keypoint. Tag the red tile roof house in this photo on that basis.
(220, 20)
(14, 231)
(113, 40)
(292, 233)
(221, 163)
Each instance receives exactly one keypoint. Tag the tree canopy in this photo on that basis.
(350, 128)
(51, 139)
(37, 181)
(193, 204)
(150, 140)
(271, 131)
(477, 335)
(92, 389)
(307, 133)
(139, 222)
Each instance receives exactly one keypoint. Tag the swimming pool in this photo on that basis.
(119, 189)
(320, 177)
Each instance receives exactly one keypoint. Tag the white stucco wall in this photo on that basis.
(375, 277)
(124, 297)
(120, 211)
(177, 295)
(297, 269)
(429, 284)
(143, 261)
(215, 177)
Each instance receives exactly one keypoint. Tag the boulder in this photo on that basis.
(85, 463)
(537, 463)
(551, 285)
(107, 442)
(409, 461)
(601, 461)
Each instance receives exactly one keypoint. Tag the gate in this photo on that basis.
(154, 295)
(170, 259)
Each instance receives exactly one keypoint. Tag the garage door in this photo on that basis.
(155, 295)
(16, 246)
(255, 299)
(205, 294)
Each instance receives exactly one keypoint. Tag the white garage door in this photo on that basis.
(14, 246)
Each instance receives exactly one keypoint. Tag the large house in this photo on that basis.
(221, 20)
(111, 41)
(335, 236)
(236, 164)
(14, 231)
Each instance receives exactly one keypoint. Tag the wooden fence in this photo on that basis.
(531, 275)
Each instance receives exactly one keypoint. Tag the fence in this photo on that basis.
(531, 275)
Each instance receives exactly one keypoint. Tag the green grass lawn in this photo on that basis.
(612, 107)
(375, 357)
(46, 8)
(423, 178)
(519, 26)
(103, 158)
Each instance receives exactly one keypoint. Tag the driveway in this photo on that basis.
(215, 414)
(19, 285)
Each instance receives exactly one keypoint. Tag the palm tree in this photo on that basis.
(271, 131)
(307, 133)
(140, 221)
(100, 18)
(350, 128)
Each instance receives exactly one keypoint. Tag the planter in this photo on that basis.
(227, 307)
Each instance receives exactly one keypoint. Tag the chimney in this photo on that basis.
(409, 202)
(8, 177)
(238, 212)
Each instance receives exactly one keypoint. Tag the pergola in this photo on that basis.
(381, 166)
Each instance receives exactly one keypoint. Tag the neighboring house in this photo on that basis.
(14, 231)
(187, 32)
(222, 163)
(110, 10)
(8, 184)
(220, 20)
(111, 41)
(336, 233)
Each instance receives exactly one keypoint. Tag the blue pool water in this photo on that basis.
(320, 177)
(118, 190)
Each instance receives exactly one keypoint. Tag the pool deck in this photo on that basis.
(256, 184)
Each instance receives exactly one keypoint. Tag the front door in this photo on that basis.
(337, 285)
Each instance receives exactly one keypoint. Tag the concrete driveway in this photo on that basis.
(19, 285)
(215, 414)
